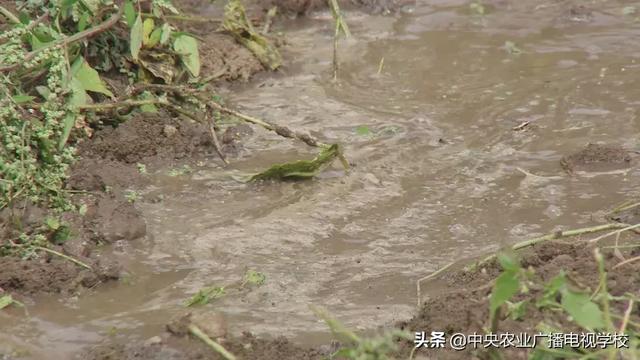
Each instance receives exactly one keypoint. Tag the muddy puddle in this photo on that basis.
(455, 122)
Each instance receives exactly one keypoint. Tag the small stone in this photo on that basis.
(169, 130)
(155, 340)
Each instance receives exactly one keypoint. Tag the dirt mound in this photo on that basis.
(146, 136)
(596, 157)
(50, 274)
(100, 181)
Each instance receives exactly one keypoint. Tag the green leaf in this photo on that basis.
(83, 21)
(43, 91)
(363, 130)
(166, 34)
(129, 13)
(507, 285)
(583, 311)
(147, 28)
(52, 223)
(187, 47)
(69, 121)
(137, 35)
(61, 235)
(90, 80)
(254, 278)
(508, 262)
(154, 38)
(21, 99)
(78, 95)
(551, 291)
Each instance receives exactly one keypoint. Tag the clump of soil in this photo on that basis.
(100, 180)
(464, 306)
(629, 215)
(147, 136)
(595, 158)
(51, 274)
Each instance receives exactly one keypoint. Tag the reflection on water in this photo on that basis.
(435, 178)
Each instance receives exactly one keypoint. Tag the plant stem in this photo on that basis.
(560, 235)
(605, 297)
(9, 15)
(119, 104)
(195, 331)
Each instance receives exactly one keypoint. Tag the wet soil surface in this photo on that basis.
(426, 105)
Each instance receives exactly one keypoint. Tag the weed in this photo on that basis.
(561, 295)
(132, 196)
(51, 89)
(206, 295)
(359, 348)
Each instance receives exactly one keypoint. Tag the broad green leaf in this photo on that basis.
(508, 262)
(21, 99)
(187, 47)
(43, 91)
(149, 108)
(136, 38)
(83, 21)
(78, 95)
(583, 311)
(166, 34)
(69, 121)
(129, 13)
(52, 223)
(154, 38)
(147, 28)
(506, 286)
(90, 80)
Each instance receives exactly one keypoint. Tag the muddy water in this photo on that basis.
(435, 179)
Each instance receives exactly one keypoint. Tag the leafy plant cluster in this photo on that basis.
(53, 57)
(562, 297)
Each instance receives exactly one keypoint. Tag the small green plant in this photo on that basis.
(132, 196)
(211, 293)
(206, 295)
(7, 300)
(252, 277)
(142, 168)
(560, 295)
(181, 171)
(359, 348)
